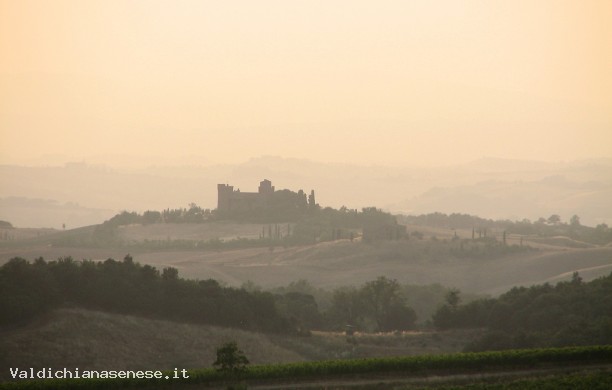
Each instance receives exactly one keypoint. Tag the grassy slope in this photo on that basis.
(96, 340)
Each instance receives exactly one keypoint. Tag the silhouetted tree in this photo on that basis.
(575, 220)
(385, 305)
(230, 358)
(554, 219)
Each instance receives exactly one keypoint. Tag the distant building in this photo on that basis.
(233, 200)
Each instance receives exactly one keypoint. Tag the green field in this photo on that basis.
(561, 367)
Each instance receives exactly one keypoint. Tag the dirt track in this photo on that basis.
(399, 381)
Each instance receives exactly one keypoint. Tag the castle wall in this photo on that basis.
(230, 199)
(234, 200)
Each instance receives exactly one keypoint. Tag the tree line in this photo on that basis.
(316, 225)
(30, 289)
(568, 313)
(544, 227)
(379, 305)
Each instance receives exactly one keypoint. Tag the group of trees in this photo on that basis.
(546, 227)
(193, 214)
(398, 306)
(377, 305)
(29, 289)
(318, 224)
(569, 313)
(484, 248)
(5, 225)
(331, 224)
(312, 224)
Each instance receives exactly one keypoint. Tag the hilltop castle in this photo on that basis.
(265, 198)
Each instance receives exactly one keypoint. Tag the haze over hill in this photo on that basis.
(367, 88)
(119, 119)
(80, 194)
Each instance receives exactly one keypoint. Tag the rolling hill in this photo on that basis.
(341, 262)
(93, 340)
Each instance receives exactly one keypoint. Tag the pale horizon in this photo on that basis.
(116, 161)
(392, 83)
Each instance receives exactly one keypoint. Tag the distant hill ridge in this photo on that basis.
(355, 186)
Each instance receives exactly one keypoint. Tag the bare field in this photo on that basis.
(332, 264)
(192, 231)
(24, 233)
(336, 345)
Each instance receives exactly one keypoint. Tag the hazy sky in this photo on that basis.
(373, 82)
